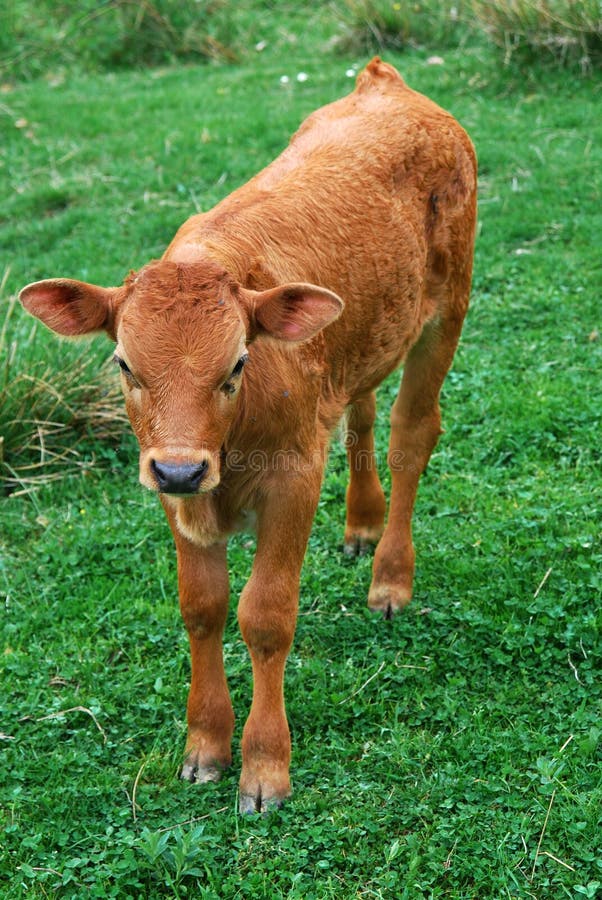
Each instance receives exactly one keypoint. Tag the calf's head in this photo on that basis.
(181, 333)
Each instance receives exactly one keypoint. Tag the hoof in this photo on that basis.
(200, 774)
(388, 599)
(357, 547)
(249, 804)
(360, 542)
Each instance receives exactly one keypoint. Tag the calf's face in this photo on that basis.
(181, 333)
(182, 354)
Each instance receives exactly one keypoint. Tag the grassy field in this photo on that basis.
(452, 752)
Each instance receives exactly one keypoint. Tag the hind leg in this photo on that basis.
(415, 429)
(365, 498)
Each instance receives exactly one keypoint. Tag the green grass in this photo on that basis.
(47, 38)
(454, 752)
(562, 33)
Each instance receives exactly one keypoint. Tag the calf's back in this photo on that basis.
(374, 199)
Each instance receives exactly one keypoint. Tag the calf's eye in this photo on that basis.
(228, 387)
(239, 365)
(122, 364)
(125, 369)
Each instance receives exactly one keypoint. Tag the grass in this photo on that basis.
(48, 38)
(454, 752)
(558, 32)
(380, 23)
(565, 31)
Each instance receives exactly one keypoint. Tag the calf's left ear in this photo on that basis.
(71, 307)
(291, 312)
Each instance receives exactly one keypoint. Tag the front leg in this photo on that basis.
(204, 593)
(267, 615)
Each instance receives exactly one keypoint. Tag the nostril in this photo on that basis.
(157, 471)
(198, 473)
(178, 478)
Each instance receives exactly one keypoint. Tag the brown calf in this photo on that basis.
(265, 321)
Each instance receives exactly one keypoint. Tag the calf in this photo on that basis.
(266, 320)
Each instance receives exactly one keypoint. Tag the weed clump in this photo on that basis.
(380, 24)
(565, 32)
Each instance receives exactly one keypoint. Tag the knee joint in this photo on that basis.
(267, 627)
(203, 617)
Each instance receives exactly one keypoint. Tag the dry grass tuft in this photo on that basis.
(52, 422)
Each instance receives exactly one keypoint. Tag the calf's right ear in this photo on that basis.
(72, 307)
(291, 312)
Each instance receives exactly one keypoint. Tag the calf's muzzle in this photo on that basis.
(178, 478)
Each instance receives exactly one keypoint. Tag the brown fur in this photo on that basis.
(374, 201)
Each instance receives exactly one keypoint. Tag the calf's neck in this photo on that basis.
(267, 320)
